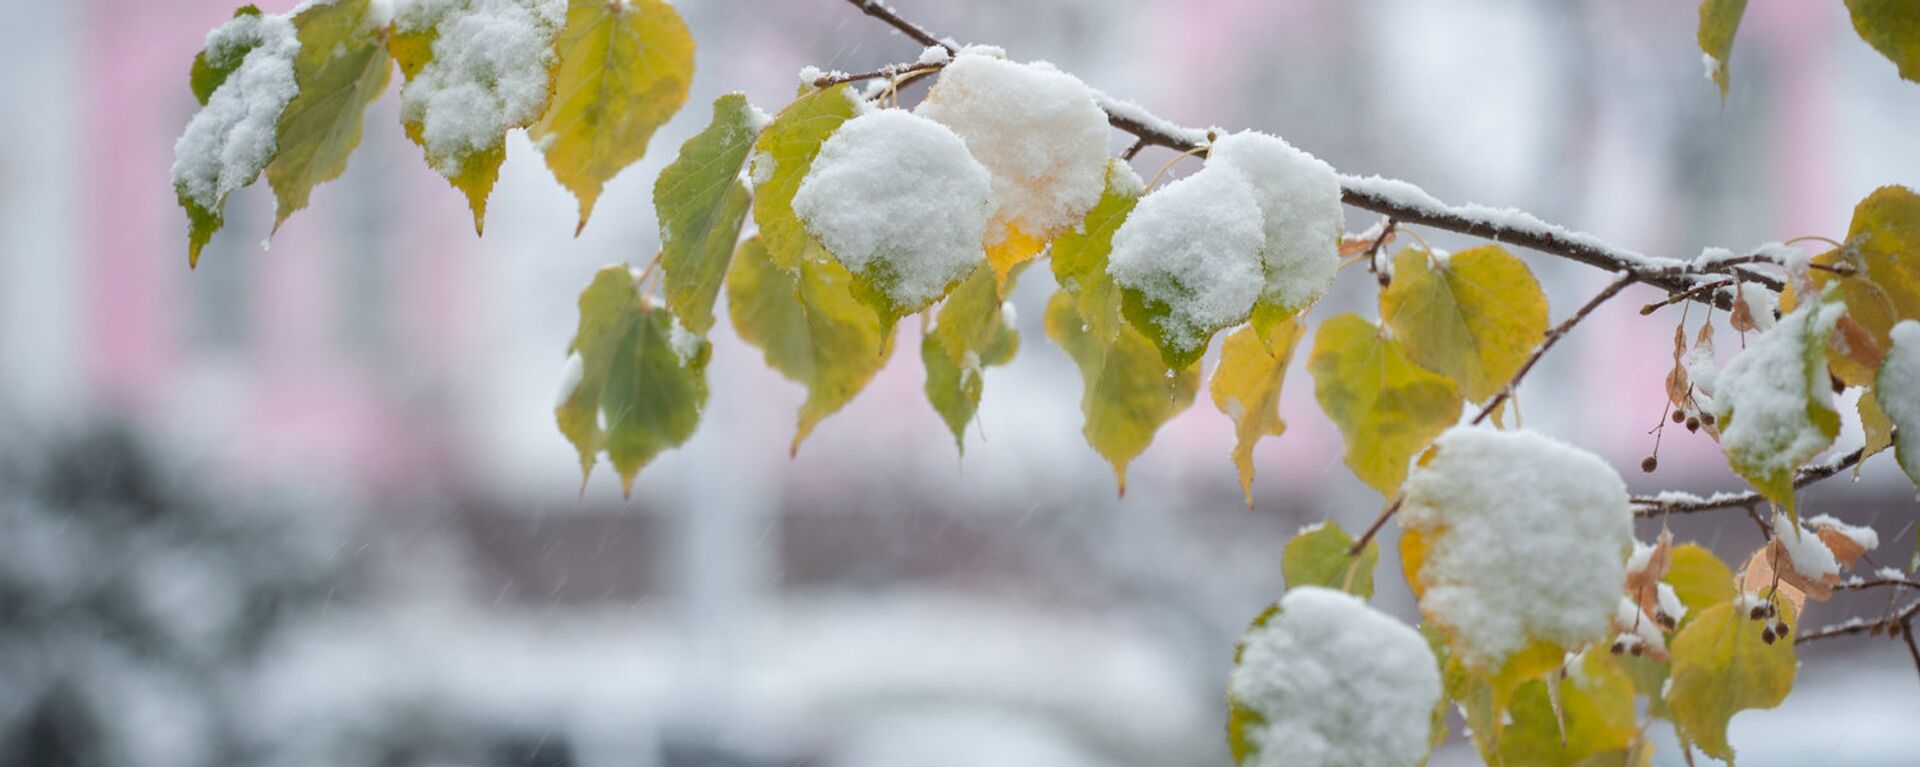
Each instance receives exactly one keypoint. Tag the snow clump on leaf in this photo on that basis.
(1330, 681)
(490, 72)
(1194, 246)
(232, 139)
(898, 199)
(1525, 538)
(1035, 128)
(1299, 197)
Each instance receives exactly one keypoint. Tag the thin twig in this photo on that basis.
(1903, 618)
(891, 70)
(1687, 295)
(1671, 275)
(1649, 506)
(1904, 583)
(1374, 529)
(1620, 282)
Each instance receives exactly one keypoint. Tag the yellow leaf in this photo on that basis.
(1473, 316)
(1387, 407)
(1016, 248)
(1883, 248)
(625, 66)
(1719, 21)
(1127, 392)
(1721, 667)
(1875, 424)
(803, 316)
(1769, 430)
(1892, 27)
(1246, 387)
(1596, 715)
(1699, 578)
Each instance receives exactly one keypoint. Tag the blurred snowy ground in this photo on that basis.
(359, 539)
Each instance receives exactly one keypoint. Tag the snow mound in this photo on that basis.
(1527, 538)
(897, 197)
(231, 139)
(1037, 129)
(1299, 198)
(1194, 246)
(490, 72)
(1808, 555)
(1761, 398)
(1335, 683)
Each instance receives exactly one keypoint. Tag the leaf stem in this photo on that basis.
(1620, 282)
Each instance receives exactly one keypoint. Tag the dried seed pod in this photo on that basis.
(1706, 418)
(1679, 415)
(1693, 424)
(1766, 635)
(1649, 463)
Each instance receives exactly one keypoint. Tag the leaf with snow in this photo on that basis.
(802, 315)
(1883, 251)
(1188, 261)
(1127, 393)
(641, 379)
(1773, 403)
(1590, 713)
(244, 79)
(624, 70)
(1512, 539)
(1301, 216)
(1320, 555)
(1387, 407)
(1246, 387)
(343, 65)
(1897, 392)
(1473, 316)
(702, 203)
(1892, 27)
(973, 331)
(898, 200)
(1080, 255)
(781, 158)
(1321, 680)
(1040, 134)
(1719, 22)
(1847, 542)
(1721, 667)
(474, 70)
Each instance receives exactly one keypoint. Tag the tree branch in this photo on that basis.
(1903, 618)
(879, 10)
(1620, 282)
(1687, 503)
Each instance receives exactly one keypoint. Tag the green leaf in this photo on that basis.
(342, 67)
(1719, 21)
(212, 68)
(1387, 407)
(1769, 455)
(1473, 316)
(972, 332)
(1699, 578)
(1246, 387)
(1874, 425)
(782, 156)
(1595, 716)
(1127, 392)
(1721, 667)
(625, 67)
(1892, 27)
(1317, 556)
(1080, 255)
(642, 378)
(1149, 316)
(701, 203)
(804, 319)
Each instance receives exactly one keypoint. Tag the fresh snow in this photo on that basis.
(1299, 198)
(1760, 399)
(1864, 537)
(1898, 383)
(488, 73)
(231, 139)
(1527, 537)
(1807, 553)
(934, 55)
(898, 193)
(1634, 628)
(1035, 128)
(1195, 246)
(1335, 682)
(1761, 304)
(570, 375)
(1670, 601)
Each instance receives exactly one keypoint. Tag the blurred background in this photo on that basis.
(307, 505)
